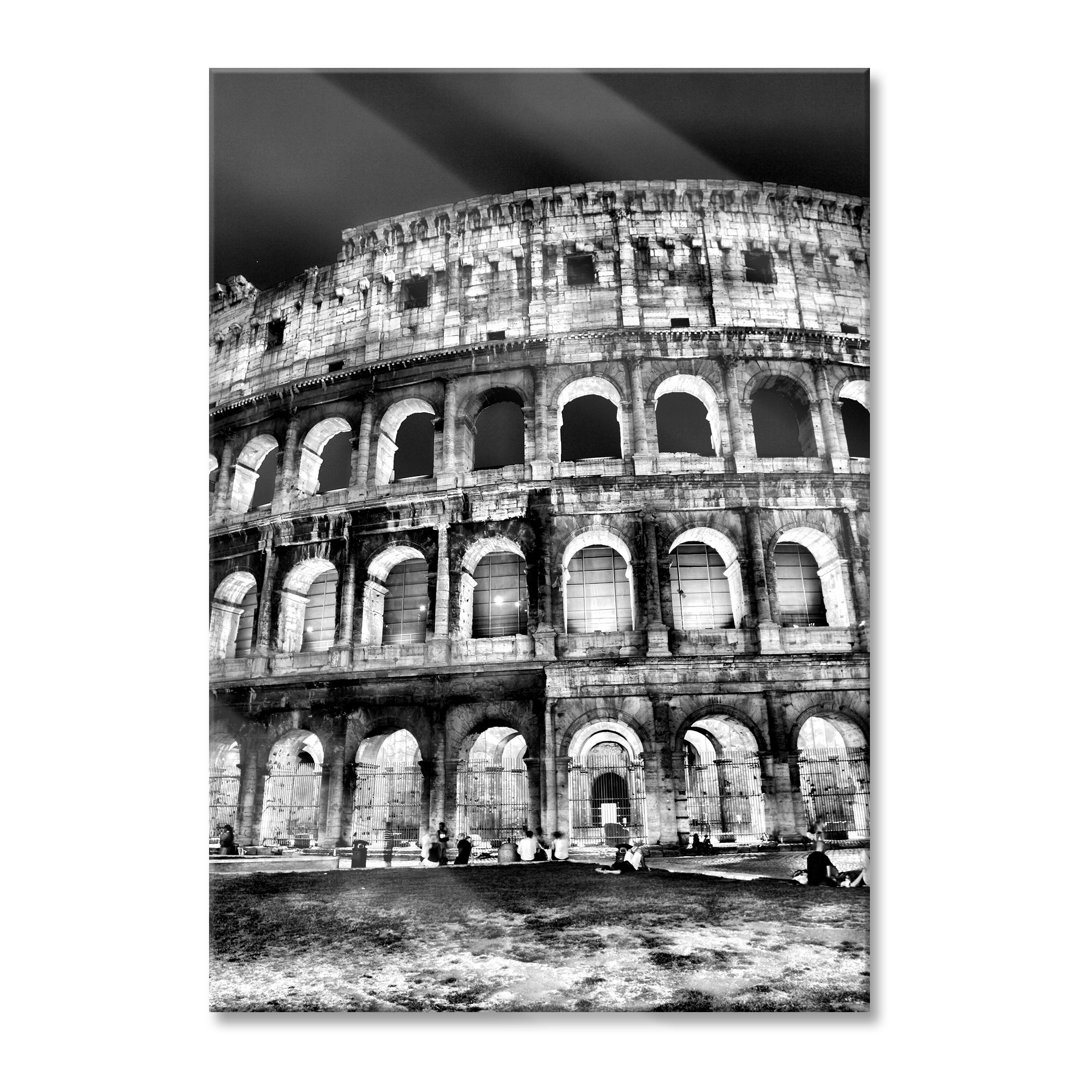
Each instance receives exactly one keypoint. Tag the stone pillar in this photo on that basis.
(784, 812)
(828, 420)
(734, 406)
(551, 796)
(659, 798)
(224, 482)
(533, 773)
(266, 598)
(371, 618)
(541, 435)
(439, 650)
(682, 812)
(343, 640)
(285, 479)
(361, 463)
(428, 803)
(849, 531)
(449, 428)
(332, 834)
(768, 631)
(656, 630)
(545, 635)
(562, 794)
(252, 782)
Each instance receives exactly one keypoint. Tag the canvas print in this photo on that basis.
(539, 622)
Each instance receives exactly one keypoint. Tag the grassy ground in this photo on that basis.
(547, 938)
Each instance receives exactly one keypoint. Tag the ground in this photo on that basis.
(534, 938)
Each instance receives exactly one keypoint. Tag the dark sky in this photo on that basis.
(298, 156)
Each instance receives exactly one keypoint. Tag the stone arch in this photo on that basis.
(599, 537)
(291, 794)
(294, 600)
(311, 450)
(834, 774)
(226, 610)
(722, 544)
(853, 388)
(388, 799)
(375, 588)
(249, 469)
(389, 426)
(699, 388)
(589, 730)
(470, 560)
(493, 797)
(853, 397)
(593, 386)
(831, 569)
(850, 729)
(224, 791)
(727, 713)
(476, 445)
(773, 429)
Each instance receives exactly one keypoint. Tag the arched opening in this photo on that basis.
(724, 800)
(325, 457)
(590, 429)
(388, 804)
(232, 616)
(607, 786)
(700, 590)
(597, 591)
(834, 776)
(308, 610)
(406, 446)
(798, 587)
(224, 803)
(682, 426)
(493, 787)
(500, 436)
(856, 421)
(501, 596)
(405, 610)
(414, 457)
(293, 783)
(782, 424)
(254, 475)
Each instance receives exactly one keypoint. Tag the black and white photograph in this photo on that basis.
(539, 521)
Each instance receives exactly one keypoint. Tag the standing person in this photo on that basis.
(388, 845)
(464, 850)
(527, 847)
(819, 867)
(560, 848)
(443, 838)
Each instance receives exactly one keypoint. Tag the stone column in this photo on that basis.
(343, 640)
(734, 405)
(768, 631)
(449, 428)
(642, 460)
(266, 601)
(545, 635)
(562, 794)
(252, 781)
(285, 479)
(551, 810)
(361, 463)
(439, 650)
(428, 804)
(849, 531)
(659, 799)
(224, 482)
(334, 777)
(533, 773)
(678, 782)
(657, 631)
(541, 451)
(828, 418)
(371, 619)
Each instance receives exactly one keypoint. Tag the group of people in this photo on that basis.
(629, 859)
(533, 847)
(820, 869)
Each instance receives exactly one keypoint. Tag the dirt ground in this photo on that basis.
(534, 938)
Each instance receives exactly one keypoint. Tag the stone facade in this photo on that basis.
(599, 296)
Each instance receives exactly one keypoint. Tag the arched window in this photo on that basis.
(232, 616)
(319, 616)
(590, 429)
(406, 447)
(798, 587)
(782, 424)
(834, 776)
(224, 785)
(245, 625)
(389, 789)
(724, 800)
(325, 457)
(606, 785)
(700, 593)
(254, 475)
(682, 426)
(501, 596)
(492, 786)
(856, 422)
(598, 596)
(291, 795)
(500, 436)
(405, 606)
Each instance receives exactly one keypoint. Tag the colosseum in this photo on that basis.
(549, 508)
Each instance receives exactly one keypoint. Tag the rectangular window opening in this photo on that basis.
(337, 365)
(580, 270)
(759, 267)
(680, 324)
(496, 335)
(416, 292)
(847, 328)
(275, 333)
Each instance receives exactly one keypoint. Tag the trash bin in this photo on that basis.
(359, 854)
(507, 852)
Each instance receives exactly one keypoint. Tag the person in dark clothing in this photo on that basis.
(359, 854)
(443, 838)
(819, 867)
(228, 841)
(620, 866)
(464, 850)
(388, 846)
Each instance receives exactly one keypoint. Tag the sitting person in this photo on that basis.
(541, 847)
(858, 879)
(695, 846)
(635, 856)
(560, 848)
(527, 847)
(819, 867)
(464, 850)
(621, 865)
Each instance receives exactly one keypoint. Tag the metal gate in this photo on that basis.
(724, 800)
(836, 792)
(291, 806)
(224, 798)
(388, 800)
(492, 802)
(607, 800)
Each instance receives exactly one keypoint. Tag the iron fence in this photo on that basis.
(388, 802)
(836, 792)
(492, 802)
(607, 800)
(724, 799)
(224, 798)
(291, 806)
